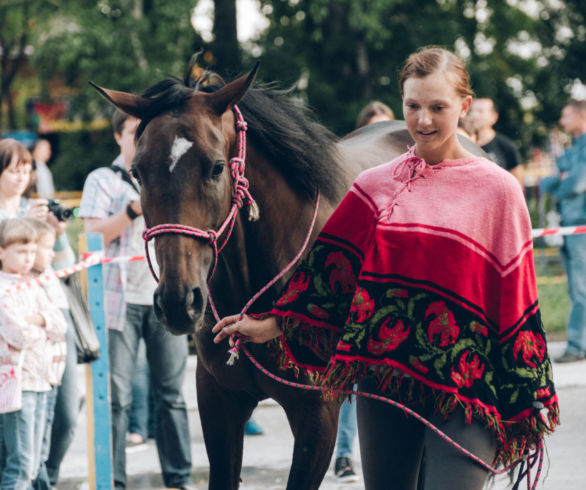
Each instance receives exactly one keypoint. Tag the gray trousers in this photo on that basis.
(392, 446)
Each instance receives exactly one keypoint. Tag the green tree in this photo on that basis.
(342, 53)
(121, 44)
(17, 25)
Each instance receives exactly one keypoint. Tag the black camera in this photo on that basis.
(62, 213)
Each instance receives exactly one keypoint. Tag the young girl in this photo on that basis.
(29, 323)
(421, 287)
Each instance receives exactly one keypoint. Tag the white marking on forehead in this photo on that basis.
(179, 148)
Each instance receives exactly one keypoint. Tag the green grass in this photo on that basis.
(555, 307)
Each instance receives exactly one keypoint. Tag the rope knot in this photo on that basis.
(241, 125)
(408, 169)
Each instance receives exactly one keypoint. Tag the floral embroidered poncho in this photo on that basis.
(424, 274)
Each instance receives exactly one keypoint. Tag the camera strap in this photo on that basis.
(125, 177)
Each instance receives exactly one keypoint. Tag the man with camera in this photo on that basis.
(110, 204)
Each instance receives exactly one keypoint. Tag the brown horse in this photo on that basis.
(186, 140)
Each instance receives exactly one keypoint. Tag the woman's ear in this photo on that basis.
(466, 103)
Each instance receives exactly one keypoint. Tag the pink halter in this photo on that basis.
(239, 194)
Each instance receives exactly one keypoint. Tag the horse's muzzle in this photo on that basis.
(179, 311)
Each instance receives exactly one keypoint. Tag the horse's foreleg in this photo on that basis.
(223, 414)
(314, 424)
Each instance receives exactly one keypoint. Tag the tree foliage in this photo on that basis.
(121, 44)
(18, 19)
(343, 53)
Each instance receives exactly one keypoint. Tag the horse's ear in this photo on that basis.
(132, 104)
(232, 93)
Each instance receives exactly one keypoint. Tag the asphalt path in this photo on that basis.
(267, 457)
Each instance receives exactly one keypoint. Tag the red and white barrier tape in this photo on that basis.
(95, 258)
(88, 260)
(564, 230)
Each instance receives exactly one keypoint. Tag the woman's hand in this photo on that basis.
(55, 223)
(257, 331)
(37, 209)
(35, 319)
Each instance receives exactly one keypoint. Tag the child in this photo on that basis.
(29, 324)
(421, 288)
(61, 418)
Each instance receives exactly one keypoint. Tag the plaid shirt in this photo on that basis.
(105, 193)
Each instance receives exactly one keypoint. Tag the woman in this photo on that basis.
(421, 288)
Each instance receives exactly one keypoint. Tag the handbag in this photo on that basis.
(11, 386)
(86, 338)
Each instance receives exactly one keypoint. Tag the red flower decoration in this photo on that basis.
(318, 311)
(342, 278)
(297, 285)
(417, 364)
(479, 328)
(543, 393)
(390, 338)
(468, 371)
(443, 324)
(362, 305)
(529, 345)
(397, 293)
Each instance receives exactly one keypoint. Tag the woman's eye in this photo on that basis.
(218, 168)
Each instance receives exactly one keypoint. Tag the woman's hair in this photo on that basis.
(17, 230)
(434, 59)
(371, 109)
(9, 148)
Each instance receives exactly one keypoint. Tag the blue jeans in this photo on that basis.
(21, 436)
(66, 407)
(346, 429)
(574, 258)
(41, 481)
(141, 394)
(167, 359)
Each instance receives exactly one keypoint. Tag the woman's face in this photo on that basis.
(431, 108)
(15, 178)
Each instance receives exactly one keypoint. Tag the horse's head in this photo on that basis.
(185, 142)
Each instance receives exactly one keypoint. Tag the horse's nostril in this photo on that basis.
(157, 306)
(195, 301)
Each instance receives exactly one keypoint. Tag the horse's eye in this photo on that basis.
(218, 168)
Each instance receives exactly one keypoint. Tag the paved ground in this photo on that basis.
(267, 457)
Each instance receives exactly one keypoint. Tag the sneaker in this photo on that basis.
(570, 356)
(345, 471)
(253, 429)
(134, 440)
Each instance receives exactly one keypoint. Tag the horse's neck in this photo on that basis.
(258, 251)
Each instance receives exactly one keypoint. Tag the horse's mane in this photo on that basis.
(303, 150)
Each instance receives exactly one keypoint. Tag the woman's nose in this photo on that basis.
(424, 117)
